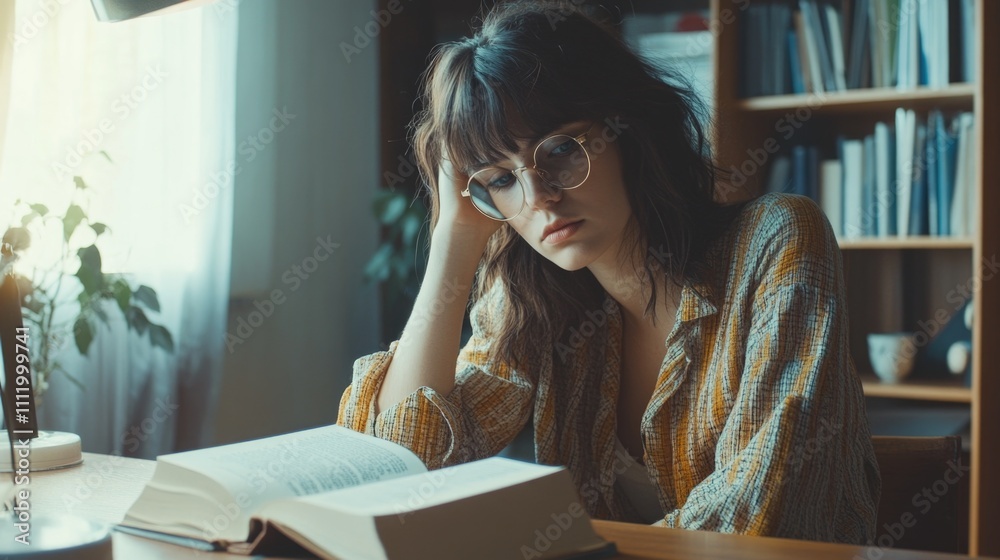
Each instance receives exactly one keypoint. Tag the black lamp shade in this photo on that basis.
(120, 10)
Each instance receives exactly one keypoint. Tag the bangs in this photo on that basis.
(481, 105)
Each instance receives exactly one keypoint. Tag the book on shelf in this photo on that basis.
(906, 123)
(831, 192)
(963, 203)
(818, 46)
(681, 41)
(337, 493)
(918, 197)
(853, 159)
(910, 177)
(871, 204)
(885, 176)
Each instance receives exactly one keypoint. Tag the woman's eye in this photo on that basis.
(500, 181)
(564, 149)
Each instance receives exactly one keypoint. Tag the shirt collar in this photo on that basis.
(696, 301)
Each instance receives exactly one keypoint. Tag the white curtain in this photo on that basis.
(6, 55)
(156, 94)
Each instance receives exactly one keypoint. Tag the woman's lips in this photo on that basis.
(562, 233)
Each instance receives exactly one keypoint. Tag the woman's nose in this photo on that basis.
(537, 193)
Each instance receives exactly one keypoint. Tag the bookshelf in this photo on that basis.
(955, 96)
(893, 282)
(913, 242)
(927, 390)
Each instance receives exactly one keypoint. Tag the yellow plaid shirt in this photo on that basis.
(757, 422)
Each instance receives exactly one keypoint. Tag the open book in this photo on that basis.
(341, 494)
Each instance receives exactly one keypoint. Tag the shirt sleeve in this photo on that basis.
(486, 409)
(794, 457)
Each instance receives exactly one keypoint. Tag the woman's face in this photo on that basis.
(598, 210)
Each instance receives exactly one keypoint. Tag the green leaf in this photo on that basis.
(99, 228)
(137, 319)
(411, 225)
(401, 267)
(389, 206)
(122, 293)
(83, 334)
(74, 215)
(160, 337)
(147, 296)
(90, 269)
(40, 209)
(78, 181)
(378, 267)
(28, 218)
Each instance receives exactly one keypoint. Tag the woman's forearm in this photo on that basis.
(428, 348)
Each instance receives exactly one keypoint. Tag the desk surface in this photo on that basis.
(104, 487)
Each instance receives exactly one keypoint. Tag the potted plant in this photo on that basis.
(71, 296)
(398, 260)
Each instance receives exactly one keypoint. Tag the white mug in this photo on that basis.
(892, 355)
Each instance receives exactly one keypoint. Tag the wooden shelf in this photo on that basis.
(913, 242)
(940, 390)
(873, 99)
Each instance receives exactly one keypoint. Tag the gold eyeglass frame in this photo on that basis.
(579, 139)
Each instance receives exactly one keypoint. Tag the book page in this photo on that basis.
(298, 464)
(432, 488)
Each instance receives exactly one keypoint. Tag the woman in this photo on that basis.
(687, 360)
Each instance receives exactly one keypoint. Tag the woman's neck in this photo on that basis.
(631, 287)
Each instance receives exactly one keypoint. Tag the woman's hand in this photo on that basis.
(457, 212)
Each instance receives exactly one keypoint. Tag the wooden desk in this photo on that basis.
(105, 486)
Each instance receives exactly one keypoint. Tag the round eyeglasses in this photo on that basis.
(561, 162)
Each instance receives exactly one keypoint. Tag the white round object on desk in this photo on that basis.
(50, 450)
(959, 356)
(55, 537)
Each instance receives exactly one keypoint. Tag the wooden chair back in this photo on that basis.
(922, 479)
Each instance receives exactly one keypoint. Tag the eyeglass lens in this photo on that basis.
(560, 161)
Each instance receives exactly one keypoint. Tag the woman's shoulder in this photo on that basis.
(780, 237)
(783, 221)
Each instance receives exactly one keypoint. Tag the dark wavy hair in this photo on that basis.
(541, 65)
